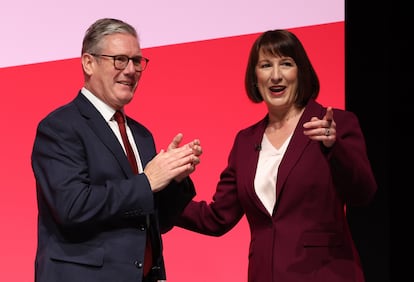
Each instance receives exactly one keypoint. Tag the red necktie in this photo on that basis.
(119, 117)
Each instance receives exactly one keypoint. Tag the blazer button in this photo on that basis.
(138, 264)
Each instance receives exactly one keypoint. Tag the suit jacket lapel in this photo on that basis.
(250, 148)
(104, 133)
(143, 141)
(296, 147)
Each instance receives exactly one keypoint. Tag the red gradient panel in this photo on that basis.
(194, 88)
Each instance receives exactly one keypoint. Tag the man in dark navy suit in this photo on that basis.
(96, 215)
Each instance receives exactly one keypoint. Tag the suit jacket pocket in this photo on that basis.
(321, 239)
(77, 253)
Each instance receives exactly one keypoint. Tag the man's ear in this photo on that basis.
(88, 62)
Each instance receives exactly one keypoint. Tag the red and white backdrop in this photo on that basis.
(193, 84)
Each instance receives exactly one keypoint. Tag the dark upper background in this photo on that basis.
(368, 39)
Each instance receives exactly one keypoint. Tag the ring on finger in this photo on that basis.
(327, 132)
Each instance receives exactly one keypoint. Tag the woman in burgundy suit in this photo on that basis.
(291, 173)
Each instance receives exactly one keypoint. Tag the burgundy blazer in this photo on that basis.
(307, 238)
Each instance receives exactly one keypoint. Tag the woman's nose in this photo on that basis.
(275, 75)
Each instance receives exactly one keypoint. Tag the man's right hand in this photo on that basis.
(175, 163)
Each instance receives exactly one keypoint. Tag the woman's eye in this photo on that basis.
(267, 65)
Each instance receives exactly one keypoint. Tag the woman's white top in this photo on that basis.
(266, 172)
